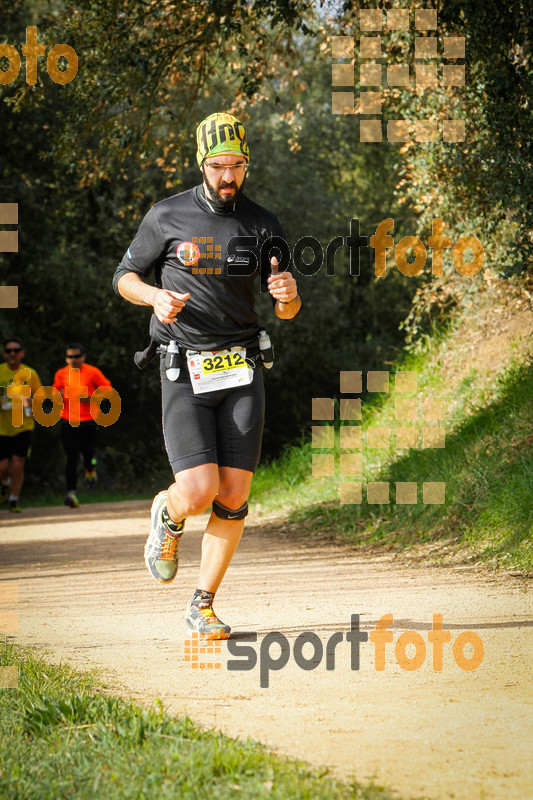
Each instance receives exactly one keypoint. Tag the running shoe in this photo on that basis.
(161, 548)
(201, 619)
(91, 478)
(4, 493)
(71, 499)
(13, 506)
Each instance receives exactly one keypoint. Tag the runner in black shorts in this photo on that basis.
(223, 427)
(18, 383)
(206, 247)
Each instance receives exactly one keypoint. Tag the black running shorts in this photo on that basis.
(223, 427)
(17, 445)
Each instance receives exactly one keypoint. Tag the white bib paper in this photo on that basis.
(220, 369)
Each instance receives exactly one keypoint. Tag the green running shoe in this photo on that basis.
(91, 476)
(161, 548)
(202, 620)
(14, 507)
(71, 500)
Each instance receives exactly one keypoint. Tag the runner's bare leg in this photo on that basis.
(4, 470)
(222, 536)
(193, 491)
(17, 475)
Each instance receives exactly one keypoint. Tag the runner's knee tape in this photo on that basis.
(222, 512)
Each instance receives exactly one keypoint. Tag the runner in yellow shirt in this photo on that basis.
(16, 420)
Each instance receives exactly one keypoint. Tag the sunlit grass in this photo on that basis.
(486, 466)
(61, 736)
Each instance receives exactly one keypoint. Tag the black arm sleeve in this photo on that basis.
(144, 252)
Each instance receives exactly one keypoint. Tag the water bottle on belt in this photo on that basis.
(266, 349)
(172, 361)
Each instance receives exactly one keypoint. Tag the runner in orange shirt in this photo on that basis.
(77, 382)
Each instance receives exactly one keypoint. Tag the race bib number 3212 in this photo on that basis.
(218, 370)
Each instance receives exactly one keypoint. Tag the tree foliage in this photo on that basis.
(483, 185)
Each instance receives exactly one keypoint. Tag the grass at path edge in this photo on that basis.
(61, 736)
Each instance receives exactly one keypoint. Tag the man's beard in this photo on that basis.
(223, 202)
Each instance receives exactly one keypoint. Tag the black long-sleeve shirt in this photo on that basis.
(189, 244)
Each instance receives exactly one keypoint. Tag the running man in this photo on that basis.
(18, 384)
(78, 428)
(203, 304)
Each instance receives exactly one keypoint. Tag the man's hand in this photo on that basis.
(168, 304)
(281, 285)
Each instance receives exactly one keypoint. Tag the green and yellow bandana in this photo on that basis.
(219, 135)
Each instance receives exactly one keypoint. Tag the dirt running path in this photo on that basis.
(85, 595)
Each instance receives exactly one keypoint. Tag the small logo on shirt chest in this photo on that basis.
(188, 253)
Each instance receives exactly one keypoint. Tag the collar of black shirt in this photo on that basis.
(210, 206)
